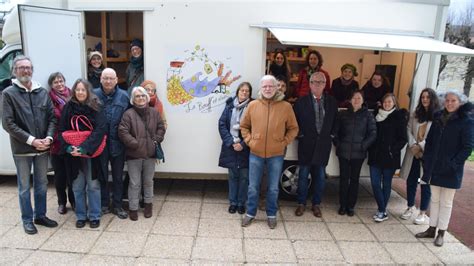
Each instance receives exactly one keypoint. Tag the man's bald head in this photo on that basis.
(108, 79)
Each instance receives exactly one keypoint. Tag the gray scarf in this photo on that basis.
(237, 112)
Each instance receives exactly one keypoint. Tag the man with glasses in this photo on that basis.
(28, 117)
(115, 102)
(268, 126)
(316, 115)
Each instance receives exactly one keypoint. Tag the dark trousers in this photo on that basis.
(412, 184)
(116, 164)
(349, 181)
(61, 180)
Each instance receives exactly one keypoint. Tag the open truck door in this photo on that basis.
(53, 39)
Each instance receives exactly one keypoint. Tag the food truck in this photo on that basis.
(198, 52)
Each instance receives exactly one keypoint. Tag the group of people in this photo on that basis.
(341, 88)
(255, 134)
(120, 127)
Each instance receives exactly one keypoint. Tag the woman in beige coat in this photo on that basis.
(418, 128)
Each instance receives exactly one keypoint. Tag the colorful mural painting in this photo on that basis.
(197, 83)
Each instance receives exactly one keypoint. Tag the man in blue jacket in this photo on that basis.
(316, 116)
(115, 102)
(28, 117)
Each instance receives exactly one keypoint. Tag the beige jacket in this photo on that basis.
(268, 126)
(412, 131)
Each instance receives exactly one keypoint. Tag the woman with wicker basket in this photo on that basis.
(83, 115)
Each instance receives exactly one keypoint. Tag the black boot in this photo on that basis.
(429, 233)
(439, 239)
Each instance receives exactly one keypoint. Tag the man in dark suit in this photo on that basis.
(316, 115)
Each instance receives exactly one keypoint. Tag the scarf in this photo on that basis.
(156, 103)
(93, 72)
(346, 82)
(382, 114)
(311, 71)
(60, 99)
(237, 112)
(137, 62)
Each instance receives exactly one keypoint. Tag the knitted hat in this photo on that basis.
(136, 42)
(351, 67)
(91, 54)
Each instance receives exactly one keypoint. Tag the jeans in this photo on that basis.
(318, 177)
(412, 183)
(140, 171)
(40, 184)
(116, 163)
(61, 181)
(274, 168)
(349, 182)
(238, 186)
(84, 184)
(381, 180)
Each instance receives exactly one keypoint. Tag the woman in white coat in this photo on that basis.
(418, 127)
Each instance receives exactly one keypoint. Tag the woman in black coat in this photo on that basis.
(84, 172)
(355, 132)
(343, 87)
(384, 154)
(234, 152)
(448, 145)
(375, 89)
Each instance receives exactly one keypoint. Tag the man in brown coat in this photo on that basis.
(268, 126)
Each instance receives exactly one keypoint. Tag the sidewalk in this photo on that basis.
(191, 226)
(461, 224)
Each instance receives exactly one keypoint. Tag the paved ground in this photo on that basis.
(191, 226)
(461, 224)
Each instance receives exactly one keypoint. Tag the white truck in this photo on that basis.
(212, 43)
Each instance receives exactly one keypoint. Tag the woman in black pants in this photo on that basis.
(355, 132)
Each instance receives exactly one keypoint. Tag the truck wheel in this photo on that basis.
(289, 180)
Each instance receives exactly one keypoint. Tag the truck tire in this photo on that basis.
(289, 180)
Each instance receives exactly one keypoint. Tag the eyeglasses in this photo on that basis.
(140, 96)
(108, 79)
(23, 68)
(318, 82)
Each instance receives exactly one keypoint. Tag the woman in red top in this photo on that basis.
(314, 61)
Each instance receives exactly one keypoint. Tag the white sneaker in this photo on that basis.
(421, 219)
(408, 213)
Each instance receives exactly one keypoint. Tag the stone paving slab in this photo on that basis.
(193, 227)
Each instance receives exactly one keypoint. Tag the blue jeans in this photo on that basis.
(318, 175)
(412, 183)
(40, 184)
(381, 180)
(238, 186)
(274, 168)
(84, 184)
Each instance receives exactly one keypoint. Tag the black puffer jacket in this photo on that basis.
(391, 138)
(355, 132)
(27, 114)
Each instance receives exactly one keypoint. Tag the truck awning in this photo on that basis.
(365, 40)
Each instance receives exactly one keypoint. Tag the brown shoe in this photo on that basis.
(148, 212)
(316, 211)
(429, 233)
(300, 210)
(133, 215)
(439, 241)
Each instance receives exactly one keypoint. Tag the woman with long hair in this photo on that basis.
(376, 87)
(279, 65)
(83, 171)
(314, 63)
(418, 127)
(448, 145)
(384, 154)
